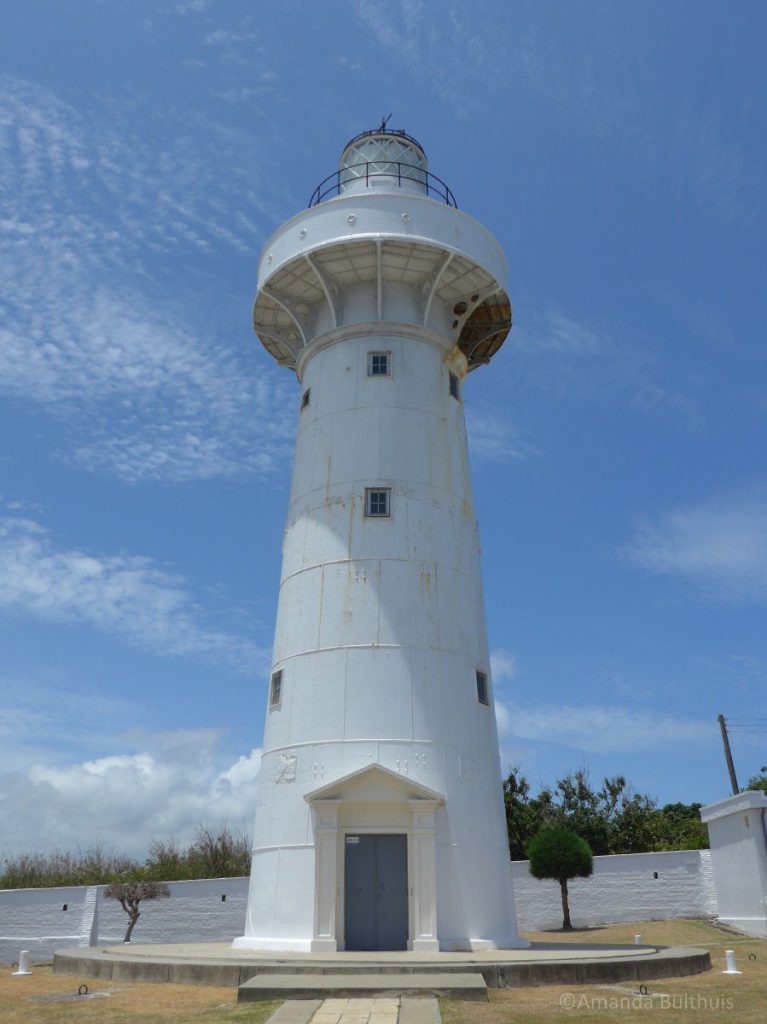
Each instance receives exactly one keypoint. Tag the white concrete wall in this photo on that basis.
(33, 919)
(622, 889)
(737, 829)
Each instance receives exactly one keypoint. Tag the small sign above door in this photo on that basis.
(352, 840)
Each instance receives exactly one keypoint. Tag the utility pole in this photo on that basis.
(728, 755)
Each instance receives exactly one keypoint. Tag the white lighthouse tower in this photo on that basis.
(380, 820)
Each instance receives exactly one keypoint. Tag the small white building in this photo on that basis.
(380, 820)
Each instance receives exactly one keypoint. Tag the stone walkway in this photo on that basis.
(357, 1011)
(376, 1010)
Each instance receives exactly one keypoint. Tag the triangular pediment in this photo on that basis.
(374, 783)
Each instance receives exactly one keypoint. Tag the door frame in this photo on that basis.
(374, 801)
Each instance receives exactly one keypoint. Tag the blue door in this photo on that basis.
(375, 884)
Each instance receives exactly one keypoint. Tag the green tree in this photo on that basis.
(586, 811)
(636, 824)
(524, 816)
(92, 866)
(219, 853)
(612, 818)
(130, 894)
(759, 781)
(214, 853)
(681, 828)
(561, 855)
(166, 861)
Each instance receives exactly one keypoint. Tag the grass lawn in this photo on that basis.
(738, 999)
(130, 1003)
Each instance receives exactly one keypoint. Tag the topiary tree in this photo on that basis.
(559, 854)
(130, 894)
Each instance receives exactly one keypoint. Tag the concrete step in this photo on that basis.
(333, 986)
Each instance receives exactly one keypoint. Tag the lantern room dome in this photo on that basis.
(383, 145)
(383, 160)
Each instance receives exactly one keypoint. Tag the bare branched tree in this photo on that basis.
(130, 894)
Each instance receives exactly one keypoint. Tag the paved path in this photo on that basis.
(377, 1010)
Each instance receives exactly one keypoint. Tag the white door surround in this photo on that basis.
(374, 800)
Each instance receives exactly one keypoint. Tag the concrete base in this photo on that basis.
(320, 946)
(352, 986)
(756, 926)
(544, 963)
(268, 945)
(425, 946)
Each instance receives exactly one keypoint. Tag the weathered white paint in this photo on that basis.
(621, 889)
(380, 623)
(737, 830)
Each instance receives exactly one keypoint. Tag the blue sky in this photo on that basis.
(617, 151)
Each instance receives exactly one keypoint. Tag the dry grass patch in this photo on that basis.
(130, 1003)
(740, 999)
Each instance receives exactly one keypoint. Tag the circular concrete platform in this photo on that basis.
(544, 963)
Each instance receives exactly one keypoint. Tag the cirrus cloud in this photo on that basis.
(126, 595)
(719, 545)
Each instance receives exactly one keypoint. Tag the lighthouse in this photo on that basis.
(380, 822)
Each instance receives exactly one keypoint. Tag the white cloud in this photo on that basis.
(563, 355)
(191, 6)
(559, 333)
(126, 595)
(720, 545)
(162, 789)
(90, 213)
(603, 729)
(601, 88)
(228, 37)
(502, 720)
(502, 665)
(493, 438)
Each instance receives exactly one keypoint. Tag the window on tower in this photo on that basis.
(275, 690)
(455, 386)
(482, 692)
(377, 501)
(306, 398)
(379, 364)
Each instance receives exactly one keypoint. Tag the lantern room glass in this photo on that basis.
(381, 162)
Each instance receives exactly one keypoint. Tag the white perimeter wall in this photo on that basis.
(622, 888)
(33, 919)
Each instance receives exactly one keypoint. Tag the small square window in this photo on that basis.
(306, 398)
(455, 386)
(377, 501)
(275, 690)
(482, 694)
(379, 364)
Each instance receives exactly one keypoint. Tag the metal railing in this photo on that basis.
(392, 169)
